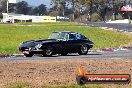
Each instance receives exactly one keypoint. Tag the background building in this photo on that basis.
(12, 18)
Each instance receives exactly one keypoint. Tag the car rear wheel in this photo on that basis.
(64, 54)
(83, 50)
(48, 51)
(29, 54)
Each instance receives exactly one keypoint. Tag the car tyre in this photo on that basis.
(64, 54)
(28, 55)
(83, 50)
(48, 51)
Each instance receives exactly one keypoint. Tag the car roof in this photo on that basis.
(63, 32)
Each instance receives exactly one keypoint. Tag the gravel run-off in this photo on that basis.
(59, 72)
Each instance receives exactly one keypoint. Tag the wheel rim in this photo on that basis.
(84, 49)
(48, 51)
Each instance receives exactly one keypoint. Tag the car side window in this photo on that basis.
(66, 37)
(72, 36)
(63, 36)
(79, 36)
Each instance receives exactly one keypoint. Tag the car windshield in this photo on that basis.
(54, 35)
(62, 36)
(79, 36)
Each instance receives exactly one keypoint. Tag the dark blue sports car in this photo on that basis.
(61, 42)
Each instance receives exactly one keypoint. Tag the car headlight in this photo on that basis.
(38, 46)
(20, 44)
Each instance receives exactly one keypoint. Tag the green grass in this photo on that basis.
(18, 85)
(28, 85)
(49, 23)
(74, 86)
(11, 36)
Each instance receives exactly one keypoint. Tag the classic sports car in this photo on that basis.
(61, 42)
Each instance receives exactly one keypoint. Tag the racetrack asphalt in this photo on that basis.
(120, 26)
(120, 54)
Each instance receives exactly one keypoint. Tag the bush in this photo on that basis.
(95, 17)
(119, 17)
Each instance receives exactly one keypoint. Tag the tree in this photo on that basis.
(22, 8)
(55, 4)
(35, 11)
(3, 7)
(72, 2)
(60, 6)
(30, 11)
(80, 5)
(83, 7)
(42, 9)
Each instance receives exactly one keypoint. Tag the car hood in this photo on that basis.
(33, 43)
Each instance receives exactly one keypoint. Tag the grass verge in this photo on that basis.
(18, 85)
(27, 85)
(12, 35)
(49, 23)
(75, 86)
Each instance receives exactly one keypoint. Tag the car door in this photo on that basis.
(72, 42)
(62, 44)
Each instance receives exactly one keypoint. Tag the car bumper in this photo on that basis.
(31, 50)
(90, 46)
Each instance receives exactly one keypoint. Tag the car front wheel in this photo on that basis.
(83, 50)
(48, 51)
(29, 54)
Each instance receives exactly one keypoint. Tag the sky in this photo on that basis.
(37, 2)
